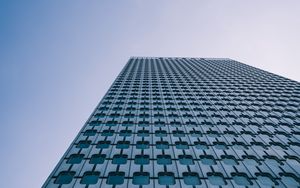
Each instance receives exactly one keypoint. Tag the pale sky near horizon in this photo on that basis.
(58, 58)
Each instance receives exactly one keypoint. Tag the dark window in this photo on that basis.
(103, 144)
(141, 159)
(90, 132)
(64, 177)
(166, 178)
(97, 159)
(216, 178)
(191, 178)
(123, 144)
(164, 159)
(125, 133)
(142, 144)
(119, 159)
(160, 133)
(241, 179)
(186, 159)
(162, 145)
(181, 145)
(107, 132)
(84, 143)
(266, 179)
(90, 178)
(75, 159)
(141, 178)
(207, 160)
(115, 178)
(201, 145)
(229, 160)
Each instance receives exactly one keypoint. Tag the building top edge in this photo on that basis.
(203, 58)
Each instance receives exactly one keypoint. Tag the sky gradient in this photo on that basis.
(58, 58)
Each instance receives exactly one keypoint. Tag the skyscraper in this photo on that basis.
(188, 122)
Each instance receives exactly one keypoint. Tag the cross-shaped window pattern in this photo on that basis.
(188, 122)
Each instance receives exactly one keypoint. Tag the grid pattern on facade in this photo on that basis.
(188, 122)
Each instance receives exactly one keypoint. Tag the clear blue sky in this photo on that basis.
(58, 58)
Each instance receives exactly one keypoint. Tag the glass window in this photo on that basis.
(142, 144)
(191, 178)
(90, 132)
(162, 145)
(266, 179)
(75, 159)
(64, 177)
(186, 159)
(84, 144)
(119, 159)
(229, 160)
(103, 144)
(164, 159)
(141, 178)
(201, 145)
(181, 145)
(115, 178)
(141, 159)
(166, 178)
(216, 178)
(123, 144)
(207, 160)
(90, 177)
(97, 159)
(241, 179)
(291, 180)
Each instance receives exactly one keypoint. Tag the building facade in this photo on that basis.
(188, 122)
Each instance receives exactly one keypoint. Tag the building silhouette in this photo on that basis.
(188, 122)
